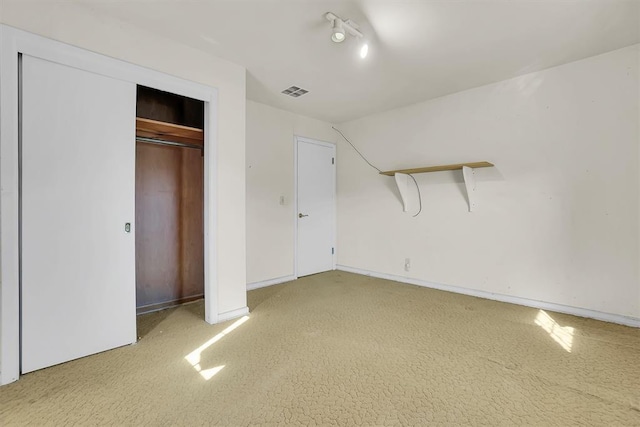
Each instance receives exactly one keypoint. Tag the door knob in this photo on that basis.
(301, 215)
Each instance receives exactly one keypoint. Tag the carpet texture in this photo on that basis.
(342, 349)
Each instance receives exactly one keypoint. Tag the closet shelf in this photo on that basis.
(456, 166)
(147, 128)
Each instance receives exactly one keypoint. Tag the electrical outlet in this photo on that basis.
(407, 264)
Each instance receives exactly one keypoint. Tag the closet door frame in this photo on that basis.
(14, 42)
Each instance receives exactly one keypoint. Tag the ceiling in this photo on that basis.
(418, 49)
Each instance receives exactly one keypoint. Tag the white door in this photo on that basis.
(77, 189)
(316, 206)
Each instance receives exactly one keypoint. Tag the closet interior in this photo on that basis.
(169, 199)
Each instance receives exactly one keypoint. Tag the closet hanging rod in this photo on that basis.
(170, 143)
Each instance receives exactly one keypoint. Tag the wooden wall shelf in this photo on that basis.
(148, 128)
(456, 166)
(402, 179)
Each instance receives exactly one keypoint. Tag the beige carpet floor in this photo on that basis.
(342, 349)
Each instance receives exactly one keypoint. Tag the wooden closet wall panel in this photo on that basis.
(157, 213)
(168, 107)
(169, 224)
(192, 236)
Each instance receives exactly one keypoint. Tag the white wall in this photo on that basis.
(78, 25)
(557, 218)
(270, 175)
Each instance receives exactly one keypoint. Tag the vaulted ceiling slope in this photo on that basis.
(418, 49)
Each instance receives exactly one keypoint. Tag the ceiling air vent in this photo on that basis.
(295, 91)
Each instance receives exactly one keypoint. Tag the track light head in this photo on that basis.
(338, 34)
(342, 27)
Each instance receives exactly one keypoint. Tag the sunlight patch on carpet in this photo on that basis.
(207, 374)
(194, 357)
(563, 335)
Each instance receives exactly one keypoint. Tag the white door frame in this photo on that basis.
(331, 145)
(14, 42)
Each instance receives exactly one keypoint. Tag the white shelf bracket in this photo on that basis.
(470, 184)
(402, 181)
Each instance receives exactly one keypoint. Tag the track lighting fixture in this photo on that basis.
(340, 29)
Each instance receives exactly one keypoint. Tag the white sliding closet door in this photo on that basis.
(77, 189)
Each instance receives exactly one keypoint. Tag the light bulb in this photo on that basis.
(337, 37)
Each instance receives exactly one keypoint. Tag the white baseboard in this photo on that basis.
(560, 308)
(233, 314)
(270, 282)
